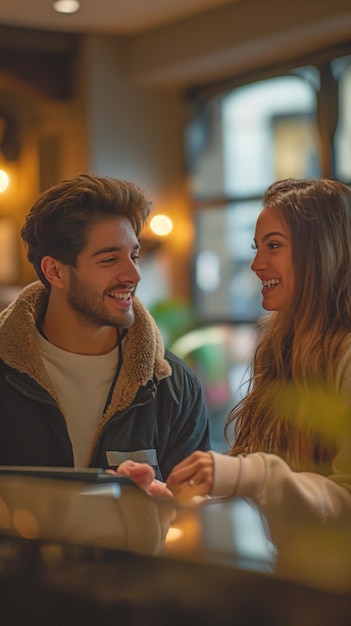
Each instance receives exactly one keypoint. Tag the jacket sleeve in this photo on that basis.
(189, 427)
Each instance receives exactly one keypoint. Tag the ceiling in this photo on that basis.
(121, 17)
(170, 43)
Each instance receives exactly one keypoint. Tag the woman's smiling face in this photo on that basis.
(273, 260)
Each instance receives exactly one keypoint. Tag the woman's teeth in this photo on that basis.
(271, 283)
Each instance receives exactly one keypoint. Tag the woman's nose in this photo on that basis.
(258, 263)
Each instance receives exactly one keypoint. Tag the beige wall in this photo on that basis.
(41, 122)
(137, 133)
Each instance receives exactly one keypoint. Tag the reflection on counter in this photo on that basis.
(73, 552)
(98, 515)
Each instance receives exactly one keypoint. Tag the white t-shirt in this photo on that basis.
(82, 384)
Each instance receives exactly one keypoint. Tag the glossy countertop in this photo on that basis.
(107, 549)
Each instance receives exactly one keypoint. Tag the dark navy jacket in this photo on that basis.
(156, 414)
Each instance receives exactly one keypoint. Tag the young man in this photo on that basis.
(85, 379)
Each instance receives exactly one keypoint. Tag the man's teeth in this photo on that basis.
(271, 283)
(120, 296)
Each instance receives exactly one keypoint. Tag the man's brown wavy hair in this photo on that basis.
(59, 221)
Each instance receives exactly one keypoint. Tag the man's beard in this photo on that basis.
(89, 306)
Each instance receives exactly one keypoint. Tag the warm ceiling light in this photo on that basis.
(66, 6)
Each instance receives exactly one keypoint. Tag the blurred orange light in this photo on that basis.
(161, 225)
(25, 523)
(4, 181)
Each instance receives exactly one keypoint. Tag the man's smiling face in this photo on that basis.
(102, 286)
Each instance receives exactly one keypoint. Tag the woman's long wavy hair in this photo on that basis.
(292, 407)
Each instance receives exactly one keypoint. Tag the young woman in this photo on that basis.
(291, 445)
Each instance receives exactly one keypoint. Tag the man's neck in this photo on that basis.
(65, 331)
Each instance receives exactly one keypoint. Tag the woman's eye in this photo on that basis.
(253, 247)
(273, 245)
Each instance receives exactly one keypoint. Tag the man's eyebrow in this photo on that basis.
(110, 249)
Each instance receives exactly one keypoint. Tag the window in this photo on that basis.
(269, 132)
(341, 69)
(239, 142)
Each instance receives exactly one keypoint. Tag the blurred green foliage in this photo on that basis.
(174, 318)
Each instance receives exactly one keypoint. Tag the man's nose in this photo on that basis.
(129, 272)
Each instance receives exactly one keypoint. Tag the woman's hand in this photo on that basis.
(144, 476)
(192, 477)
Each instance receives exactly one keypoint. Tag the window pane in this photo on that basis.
(204, 150)
(342, 71)
(269, 132)
(225, 288)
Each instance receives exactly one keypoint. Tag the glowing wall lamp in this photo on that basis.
(4, 181)
(10, 148)
(161, 225)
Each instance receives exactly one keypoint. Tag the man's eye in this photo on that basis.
(136, 258)
(109, 259)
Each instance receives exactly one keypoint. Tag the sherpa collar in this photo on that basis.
(143, 351)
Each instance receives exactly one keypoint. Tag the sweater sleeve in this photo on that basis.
(271, 484)
(277, 489)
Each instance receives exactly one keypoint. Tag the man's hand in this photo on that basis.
(144, 476)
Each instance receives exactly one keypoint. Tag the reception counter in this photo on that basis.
(103, 552)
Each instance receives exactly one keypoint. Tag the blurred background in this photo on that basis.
(204, 103)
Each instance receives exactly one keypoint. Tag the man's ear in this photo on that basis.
(53, 271)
